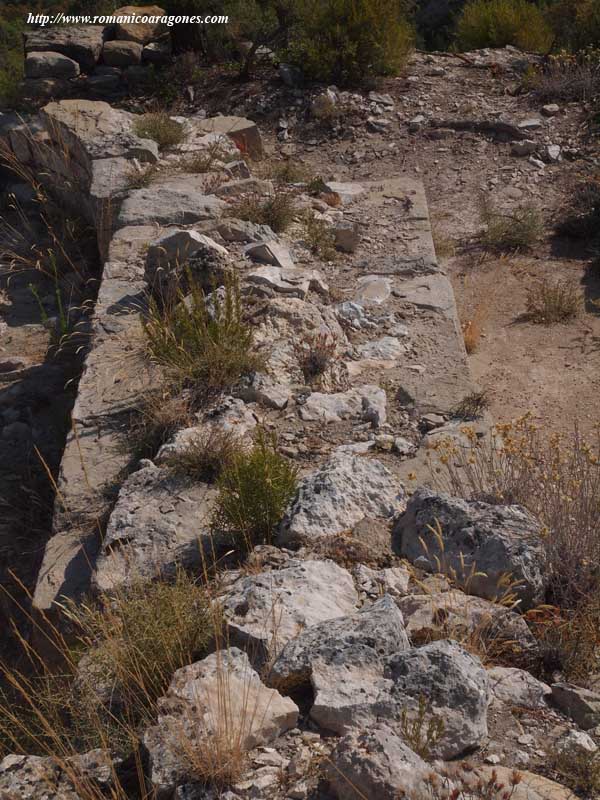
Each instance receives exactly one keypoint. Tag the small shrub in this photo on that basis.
(551, 302)
(580, 772)
(315, 354)
(421, 730)
(140, 178)
(206, 456)
(206, 346)
(582, 218)
(471, 406)
(344, 41)
(205, 160)
(510, 232)
(254, 491)
(159, 127)
(277, 211)
(567, 77)
(319, 236)
(497, 23)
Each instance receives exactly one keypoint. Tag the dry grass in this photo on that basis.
(319, 236)
(160, 127)
(142, 176)
(159, 415)
(277, 211)
(464, 782)
(206, 455)
(315, 354)
(126, 648)
(551, 302)
(285, 171)
(510, 232)
(579, 771)
(567, 77)
(473, 328)
(254, 491)
(556, 477)
(206, 160)
(472, 406)
(421, 730)
(206, 347)
(445, 246)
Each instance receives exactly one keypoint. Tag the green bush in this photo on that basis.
(11, 59)
(496, 23)
(576, 23)
(346, 40)
(254, 491)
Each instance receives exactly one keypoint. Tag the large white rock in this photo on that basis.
(339, 494)
(517, 687)
(376, 764)
(179, 201)
(159, 521)
(266, 611)
(217, 702)
(343, 661)
(366, 403)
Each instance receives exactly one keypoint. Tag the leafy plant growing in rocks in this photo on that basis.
(315, 354)
(319, 236)
(421, 729)
(160, 127)
(204, 343)
(254, 491)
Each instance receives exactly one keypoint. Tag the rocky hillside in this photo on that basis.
(290, 557)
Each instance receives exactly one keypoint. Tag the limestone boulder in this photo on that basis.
(180, 201)
(50, 65)
(365, 403)
(122, 54)
(342, 660)
(517, 687)
(481, 544)
(265, 611)
(82, 43)
(220, 699)
(42, 778)
(376, 763)
(339, 494)
(140, 32)
(243, 132)
(160, 521)
(457, 615)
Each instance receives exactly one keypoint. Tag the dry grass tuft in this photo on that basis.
(556, 477)
(315, 354)
(473, 328)
(277, 211)
(207, 347)
(160, 127)
(551, 302)
(510, 232)
(159, 415)
(127, 647)
(206, 456)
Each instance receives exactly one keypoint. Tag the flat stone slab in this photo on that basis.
(179, 201)
(82, 43)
